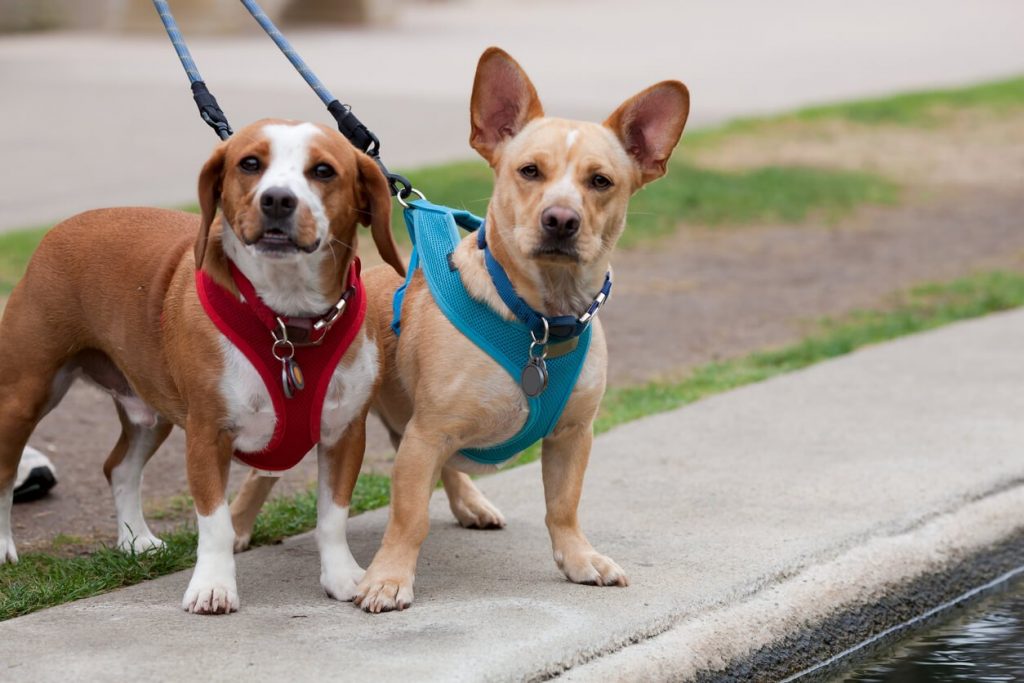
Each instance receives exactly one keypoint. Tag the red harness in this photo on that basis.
(251, 325)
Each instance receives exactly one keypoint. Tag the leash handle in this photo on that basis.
(348, 123)
(209, 110)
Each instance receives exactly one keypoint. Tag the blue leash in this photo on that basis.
(209, 110)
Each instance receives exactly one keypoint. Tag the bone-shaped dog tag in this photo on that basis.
(534, 378)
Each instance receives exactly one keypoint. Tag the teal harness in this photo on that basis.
(435, 235)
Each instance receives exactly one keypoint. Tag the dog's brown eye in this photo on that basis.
(530, 171)
(323, 172)
(600, 182)
(249, 164)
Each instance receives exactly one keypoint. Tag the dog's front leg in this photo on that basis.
(212, 589)
(388, 582)
(563, 462)
(338, 469)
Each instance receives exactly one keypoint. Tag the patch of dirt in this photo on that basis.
(969, 148)
(698, 296)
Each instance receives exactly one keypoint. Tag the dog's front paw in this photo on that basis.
(382, 594)
(342, 584)
(591, 568)
(8, 553)
(476, 512)
(210, 596)
(139, 544)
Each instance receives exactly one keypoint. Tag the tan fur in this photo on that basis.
(111, 293)
(441, 392)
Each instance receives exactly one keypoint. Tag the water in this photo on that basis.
(985, 643)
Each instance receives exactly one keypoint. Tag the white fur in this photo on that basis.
(347, 393)
(212, 588)
(8, 553)
(250, 408)
(565, 192)
(133, 534)
(289, 157)
(340, 574)
(290, 285)
(570, 138)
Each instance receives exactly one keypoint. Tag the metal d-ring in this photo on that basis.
(282, 356)
(412, 190)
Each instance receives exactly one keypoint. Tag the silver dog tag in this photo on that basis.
(534, 378)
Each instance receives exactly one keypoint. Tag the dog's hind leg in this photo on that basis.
(123, 469)
(34, 375)
(468, 504)
(247, 504)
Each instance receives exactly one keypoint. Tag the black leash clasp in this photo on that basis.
(210, 110)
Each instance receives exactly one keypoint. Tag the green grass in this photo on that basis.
(42, 580)
(924, 107)
(15, 250)
(921, 109)
(691, 194)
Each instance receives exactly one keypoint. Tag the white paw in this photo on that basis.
(591, 568)
(210, 596)
(7, 551)
(342, 583)
(242, 542)
(477, 513)
(139, 544)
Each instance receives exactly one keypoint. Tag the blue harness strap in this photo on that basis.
(435, 235)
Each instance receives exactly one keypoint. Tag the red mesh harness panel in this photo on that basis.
(249, 324)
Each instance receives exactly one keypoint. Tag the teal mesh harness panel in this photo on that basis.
(434, 233)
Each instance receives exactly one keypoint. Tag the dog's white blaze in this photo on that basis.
(7, 550)
(339, 571)
(570, 138)
(250, 408)
(213, 580)
(347, 393)
(289, 155)
(126, 484)
(565, 191)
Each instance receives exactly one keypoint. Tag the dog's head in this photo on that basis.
(288, 190)
(562, 187)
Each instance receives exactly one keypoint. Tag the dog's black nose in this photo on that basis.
(560, 221)
(278, 202)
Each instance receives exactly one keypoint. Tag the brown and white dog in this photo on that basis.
(111, 295)
(559, 205)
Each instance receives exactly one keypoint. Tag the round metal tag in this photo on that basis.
(534, 378)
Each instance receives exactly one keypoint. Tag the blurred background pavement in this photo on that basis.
(102, 117)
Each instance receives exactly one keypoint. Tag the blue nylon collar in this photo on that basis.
(560, 328)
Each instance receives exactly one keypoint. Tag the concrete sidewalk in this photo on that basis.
(743, 520)
(95, 120)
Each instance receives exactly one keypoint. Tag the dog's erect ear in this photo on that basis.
(211, 179)
(375, 210)
(649, 125)
(504, 100)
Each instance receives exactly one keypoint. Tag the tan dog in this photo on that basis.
(111, 295)
(559, 205)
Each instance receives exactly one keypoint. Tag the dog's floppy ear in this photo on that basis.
(211, 179)
(375, 210)
(504, 100)
(649, 125)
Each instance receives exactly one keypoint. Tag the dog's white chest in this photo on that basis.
(251, 410)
